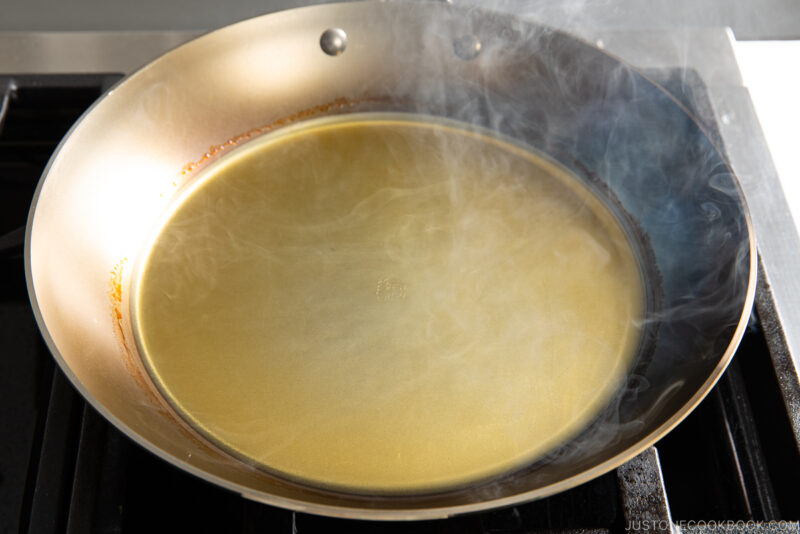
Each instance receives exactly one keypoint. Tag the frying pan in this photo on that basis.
(116, 171)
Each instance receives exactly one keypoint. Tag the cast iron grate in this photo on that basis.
(63, 468)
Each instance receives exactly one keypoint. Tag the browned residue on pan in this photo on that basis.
(135, 370)
(115, 293)
(338, 104)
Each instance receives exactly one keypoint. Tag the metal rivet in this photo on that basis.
(333, 41)
(467, 47)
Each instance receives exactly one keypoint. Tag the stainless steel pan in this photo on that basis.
(116, 171)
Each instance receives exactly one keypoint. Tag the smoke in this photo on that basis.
(632, 137)
(625, 139)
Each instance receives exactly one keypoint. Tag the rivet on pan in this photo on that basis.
(333, 41)
(467, 47)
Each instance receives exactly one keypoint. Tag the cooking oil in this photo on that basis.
(388, 304)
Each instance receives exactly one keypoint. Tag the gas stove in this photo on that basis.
(731, 466)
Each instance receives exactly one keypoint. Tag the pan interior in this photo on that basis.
(388, 303)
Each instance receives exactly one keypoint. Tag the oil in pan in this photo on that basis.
(383, 303)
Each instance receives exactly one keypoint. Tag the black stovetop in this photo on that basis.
(64, 468)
